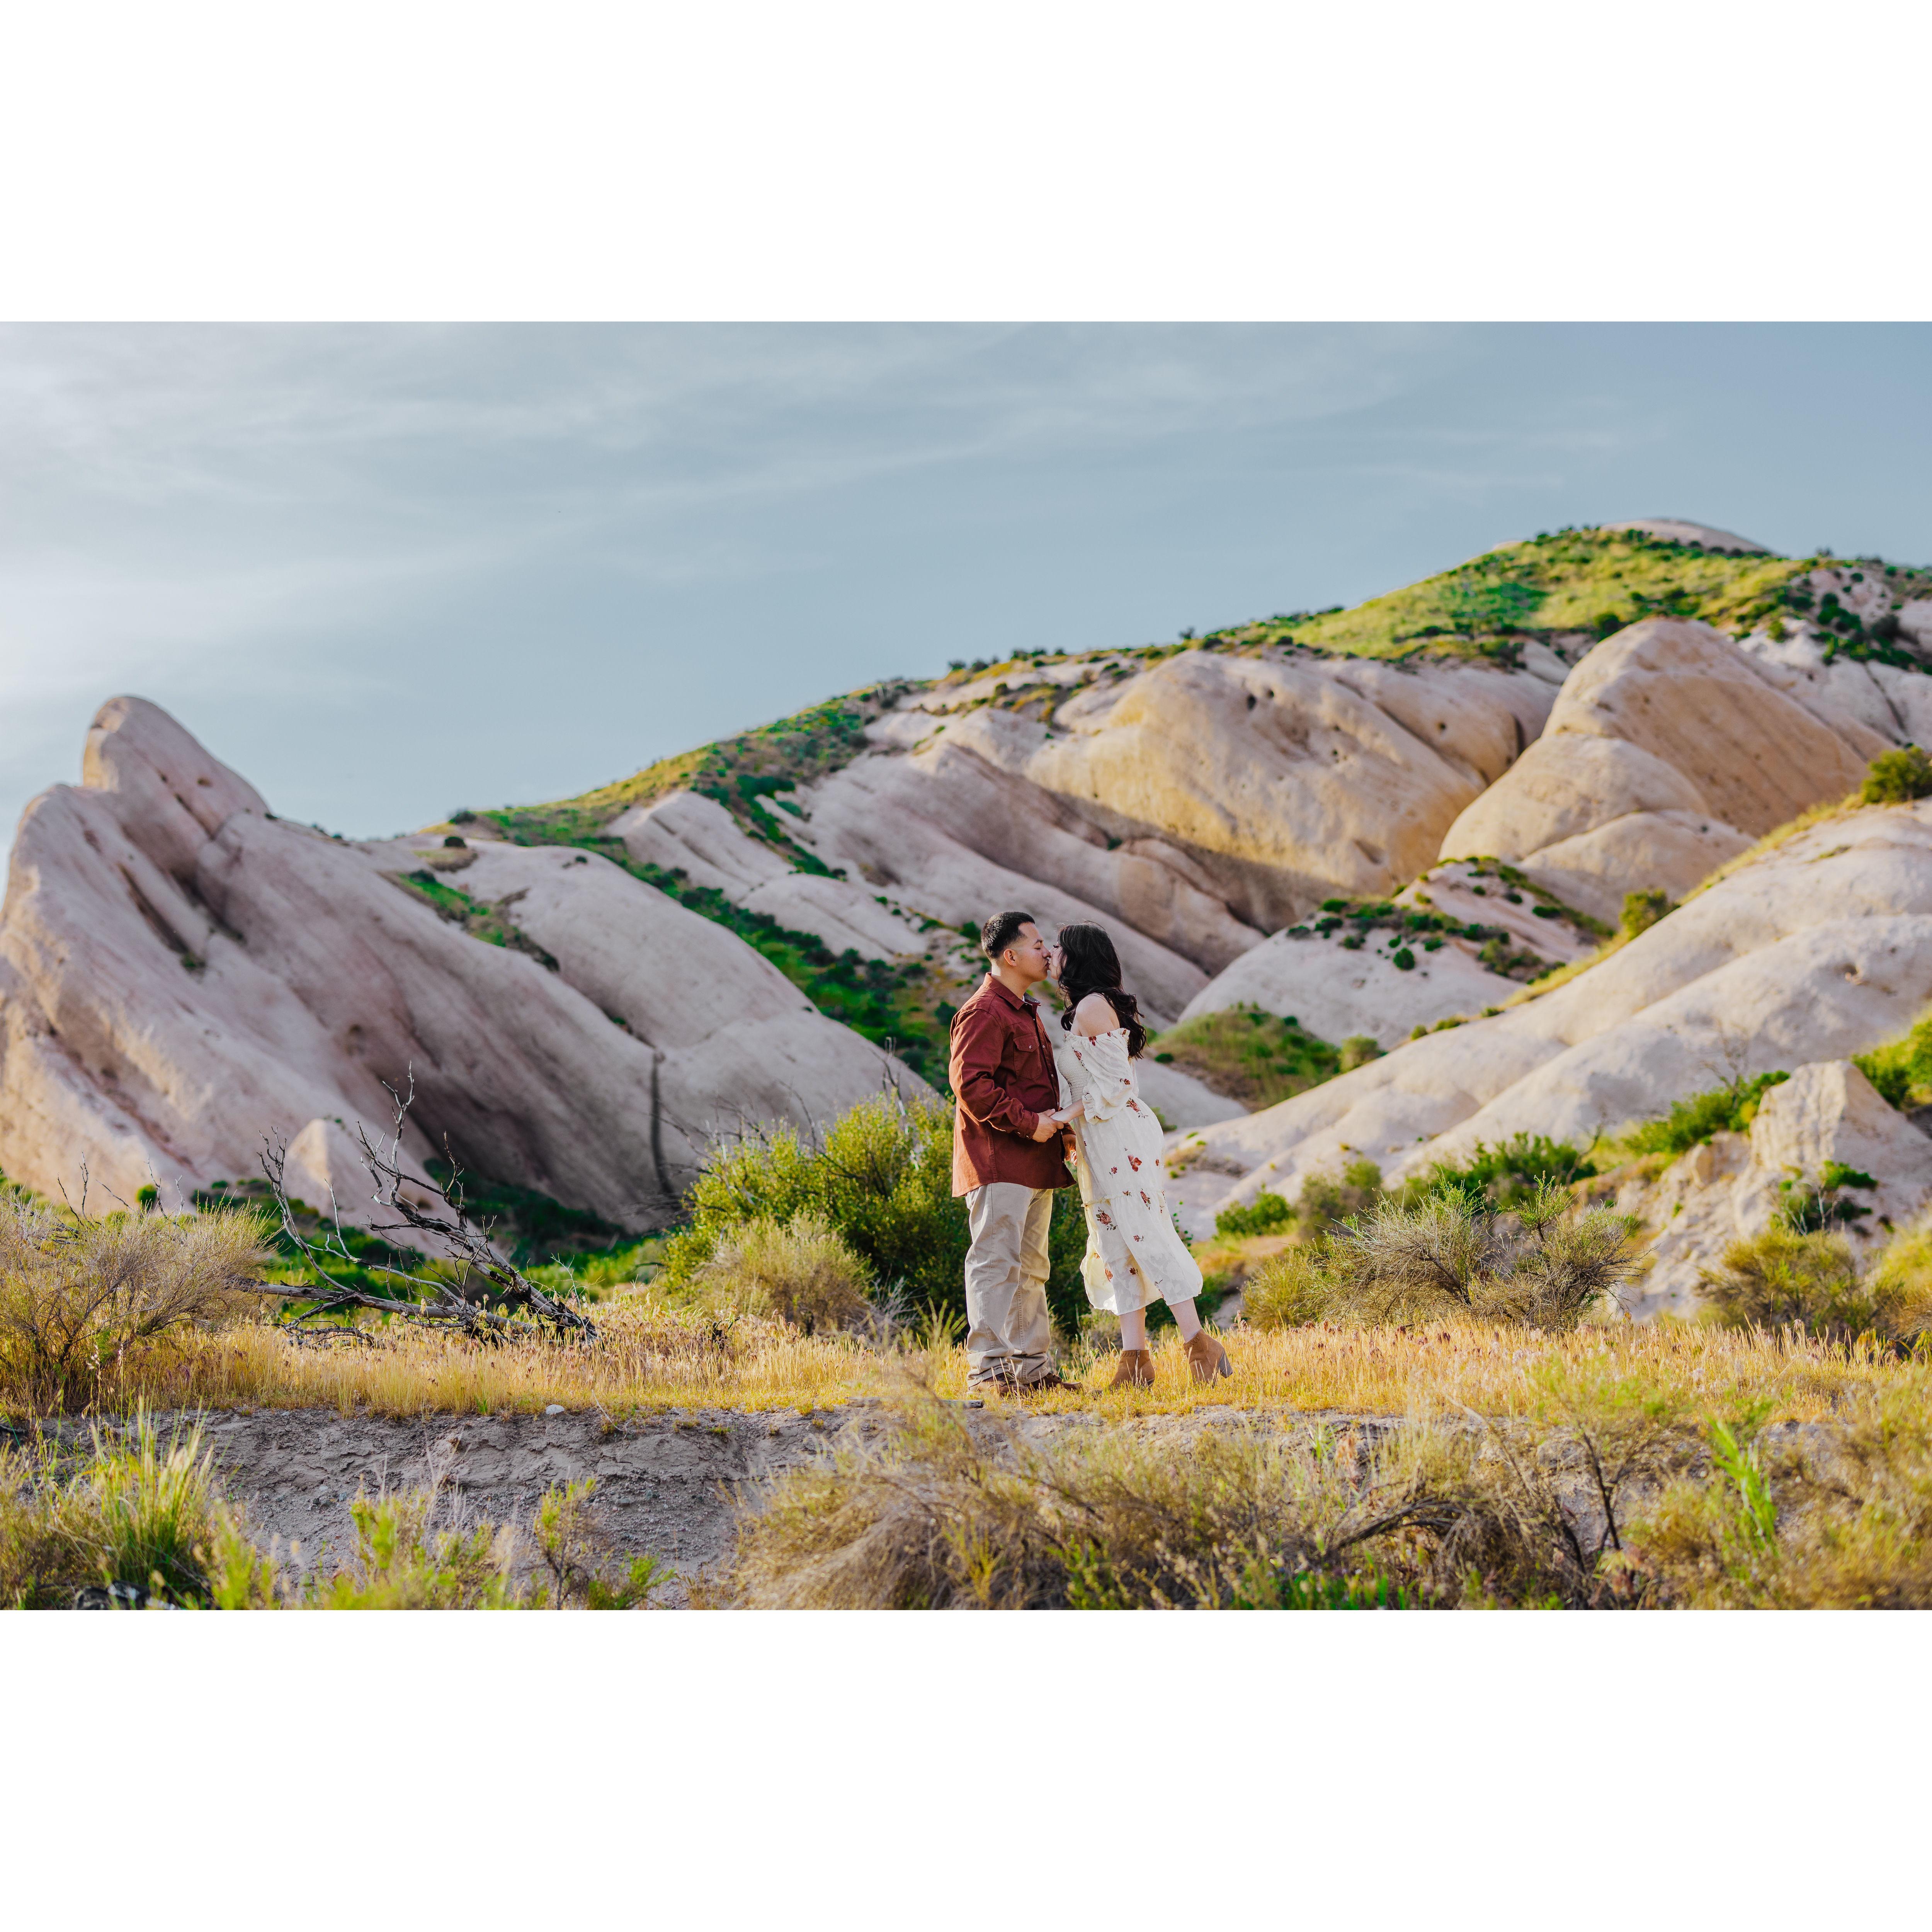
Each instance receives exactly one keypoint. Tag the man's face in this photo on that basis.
(1026, 956)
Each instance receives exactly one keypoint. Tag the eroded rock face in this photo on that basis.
(180, 974)
(1735, 1186)
(1192, 806)
(1818, 949)
(1668, 751)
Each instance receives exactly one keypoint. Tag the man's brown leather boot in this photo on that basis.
(1208, 1358)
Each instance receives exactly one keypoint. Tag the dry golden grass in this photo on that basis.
(651, 1360)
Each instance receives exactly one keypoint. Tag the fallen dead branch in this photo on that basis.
(425, 1212)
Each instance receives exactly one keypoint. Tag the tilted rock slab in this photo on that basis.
(1668, 751)
(1818, 949)
(1192, 807)
(181, 974)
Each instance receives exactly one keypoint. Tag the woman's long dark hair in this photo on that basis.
(1090, 964)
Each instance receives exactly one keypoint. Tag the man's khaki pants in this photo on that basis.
(1008, 1329)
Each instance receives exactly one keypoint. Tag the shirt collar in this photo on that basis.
(1005, 992)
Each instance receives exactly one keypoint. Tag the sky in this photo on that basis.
(387, 571)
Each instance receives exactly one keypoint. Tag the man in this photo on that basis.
(1007, 1159)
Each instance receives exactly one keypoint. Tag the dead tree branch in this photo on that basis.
(426, 1216)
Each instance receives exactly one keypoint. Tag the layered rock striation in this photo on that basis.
(181, 974)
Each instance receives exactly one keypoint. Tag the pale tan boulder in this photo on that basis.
(1668, 750)
(180, 975)
(1892, 703)
(1338, 995)
(1915, 619)
(1685, 693)
(1826, 1114)
(1190, 806)
(1642, 851)
(1563, 787)
(1290, 777)
(920, 829)
(1180, 1101)
(1736, 1186)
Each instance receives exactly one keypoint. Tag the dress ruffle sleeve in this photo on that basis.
(1098, 1073)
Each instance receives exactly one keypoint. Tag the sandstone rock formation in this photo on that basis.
(1815, 950)
(1338, 990)
(181, 973)
(1193, 805)
(1736, 1184)
(1668, 751)
(682, 831)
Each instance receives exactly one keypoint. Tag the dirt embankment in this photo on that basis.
(666, 1485)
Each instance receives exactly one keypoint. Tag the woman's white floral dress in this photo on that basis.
(1135, 1254)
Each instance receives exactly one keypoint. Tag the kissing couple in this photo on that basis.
(1033, 1101)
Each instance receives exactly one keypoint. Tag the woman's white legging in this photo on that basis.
(1133, 1327)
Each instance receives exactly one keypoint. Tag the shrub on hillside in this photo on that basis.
(1452, 1257)
(1323, 1202)
(1729, 1108)
(1357, 1050)
(1449, 1256)
(1641, 910)
(881, 1177)
(1897, 778)
(1810, 1279)
(83, 1298)
(1504, 1174)
(1901, 1069)
(800, 1271)
(1267, 1214)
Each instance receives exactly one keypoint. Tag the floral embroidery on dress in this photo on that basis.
(1133, 1161)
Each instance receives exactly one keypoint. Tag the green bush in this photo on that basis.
(1452, 1256)
(1266, 1214)
(1897, 778)
(1641, 910)
(881, 1176)
(1810, 1278)
(802, 1272)
(1728, 1109)
(1902, 1069)
(1357, 1050)
(1504, 1174)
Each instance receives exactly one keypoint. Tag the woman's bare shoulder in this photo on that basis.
(1095, 1016)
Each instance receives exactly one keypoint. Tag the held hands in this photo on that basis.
(1050, 1124)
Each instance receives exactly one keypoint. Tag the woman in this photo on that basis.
(1134, 1254)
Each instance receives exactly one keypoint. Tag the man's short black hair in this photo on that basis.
(1001, 931)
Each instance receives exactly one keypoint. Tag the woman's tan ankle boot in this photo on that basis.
(1135, 1371)
(1208, 1358)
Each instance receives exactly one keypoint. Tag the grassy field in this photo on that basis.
(650, 1358)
